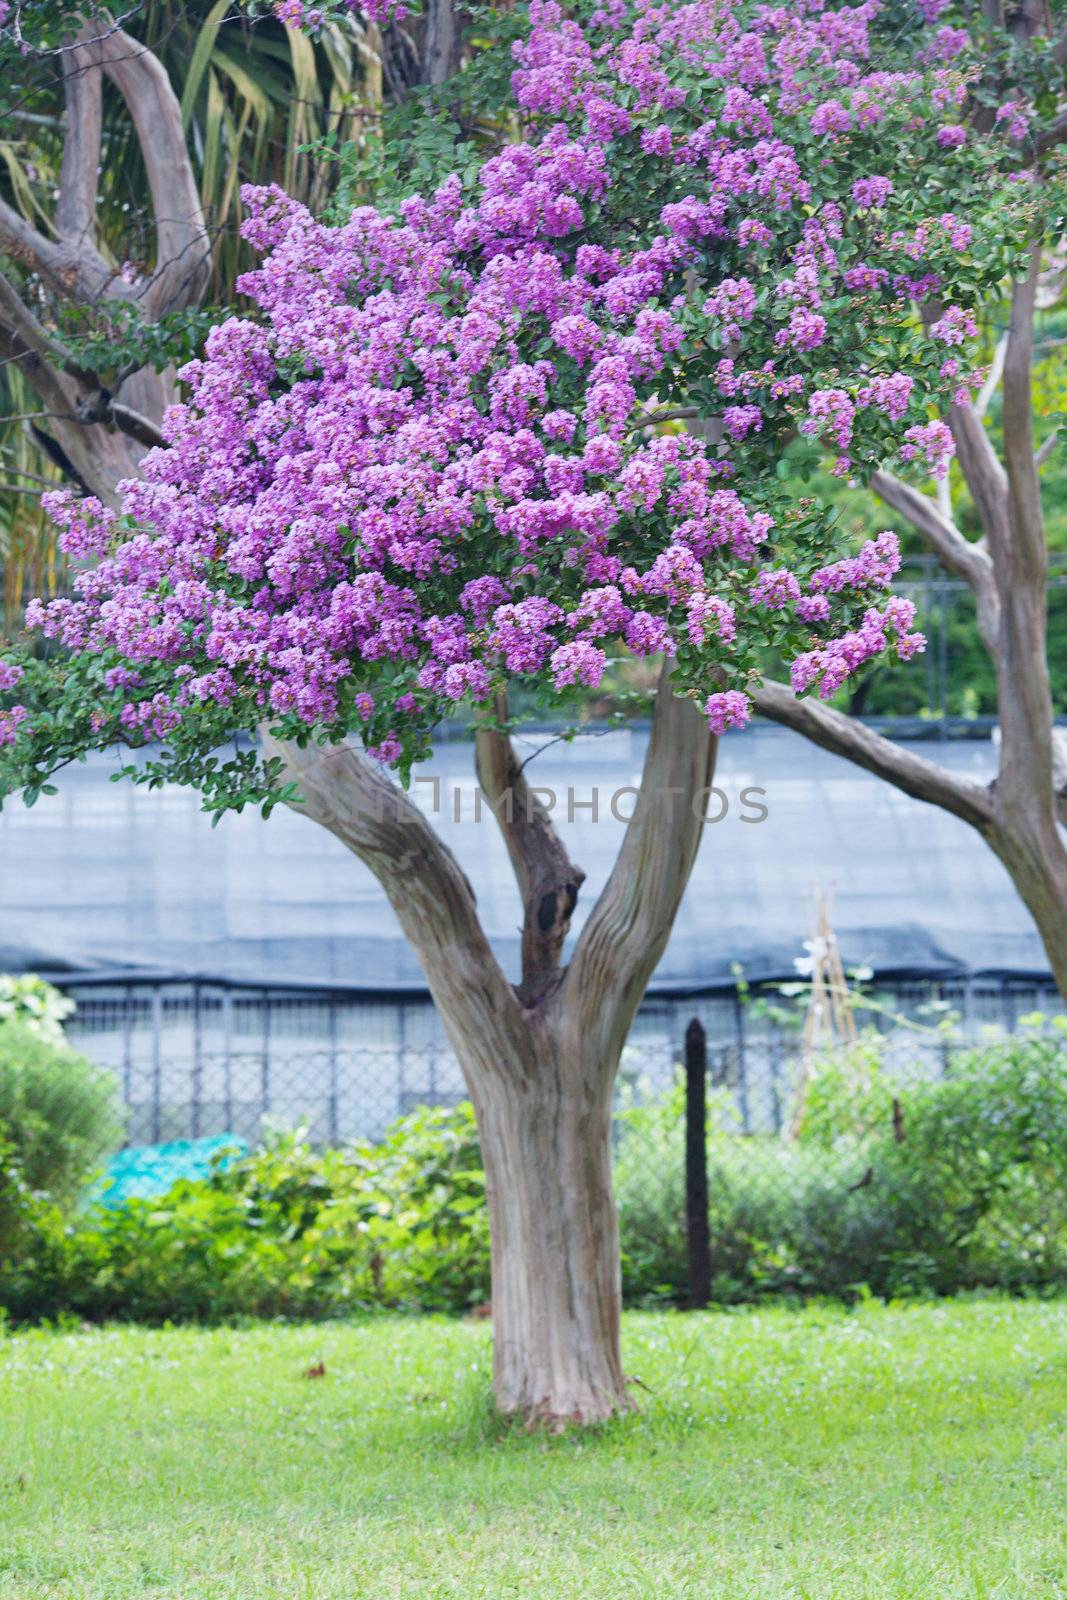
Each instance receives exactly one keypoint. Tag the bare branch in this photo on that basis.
(135, 425)
(944, 539)
(982, 470)
(1028, 555)
(75, 216)
(25, 343)
(548, 880)
(984, 397)
(20, 322)
(686, 414)
(1059, 773)
(1054, 134)
(75, 271)
(957, 555)
(628, 928)
(183, 249)
(431, 895)
(843, 735)
(100, 408)
(1046, 447)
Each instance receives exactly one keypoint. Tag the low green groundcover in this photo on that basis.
(886, 1452)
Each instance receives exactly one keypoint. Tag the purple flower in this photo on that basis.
(728, 709)
(872, 192)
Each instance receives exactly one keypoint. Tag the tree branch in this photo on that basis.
(1046, 447)
(982, 470)
(1059, 773)
(75, 216)
(341, 790)
(74, 271)
(183, 249)
(630, 924)
(1029, 557)
(135, 425)
(1054, 134)
(71, 265)
(956, 554)
(844, 736)
(547, 878)
(984, 397)
(1025, 787)
(26, 333)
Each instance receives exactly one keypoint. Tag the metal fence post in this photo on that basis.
(698, 1238)
(197, 1084)
(157, 1062)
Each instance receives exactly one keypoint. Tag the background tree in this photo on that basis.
(442, 458)
(1022, 810)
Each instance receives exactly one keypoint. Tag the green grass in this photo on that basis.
(889, 1453)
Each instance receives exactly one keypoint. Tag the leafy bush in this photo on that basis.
(58, 1113)
(35, 1003)
(285, 1231)
(893, 1187)
(896, 1186)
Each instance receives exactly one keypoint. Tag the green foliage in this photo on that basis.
(58, 1113)
(36, 1004)
(286, 1231)
(891, 1188)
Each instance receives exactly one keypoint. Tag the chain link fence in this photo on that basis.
(197, 1059)
(929, 1155)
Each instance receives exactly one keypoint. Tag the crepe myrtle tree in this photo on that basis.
(1022, 812)
(484, 437)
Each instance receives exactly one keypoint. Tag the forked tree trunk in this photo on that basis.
(539, 1057)
(546, 1144)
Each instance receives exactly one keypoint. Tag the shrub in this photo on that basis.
(32, 1001)
(898, 1186)
(894, 1187)
(58, 1113)
(285, 1231)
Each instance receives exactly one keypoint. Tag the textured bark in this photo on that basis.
(1026, 833)
(547, 878)
(546, 1143)
(539, 1057)
(628, 928)
(441, 48)
(98, 437)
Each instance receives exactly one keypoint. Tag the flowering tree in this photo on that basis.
(1021, 813)
(485, 437)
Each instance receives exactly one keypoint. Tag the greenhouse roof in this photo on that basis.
(112, 879)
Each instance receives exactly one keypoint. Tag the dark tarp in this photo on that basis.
(107, 878)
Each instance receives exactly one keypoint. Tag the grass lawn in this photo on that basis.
(884, 1453)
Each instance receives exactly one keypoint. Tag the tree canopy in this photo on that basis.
(481, 434)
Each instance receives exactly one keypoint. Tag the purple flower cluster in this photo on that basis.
(11, 720)
(427, 462)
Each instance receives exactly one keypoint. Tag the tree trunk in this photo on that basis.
(546, 1143)
(1037, 862)
(539, 1057)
